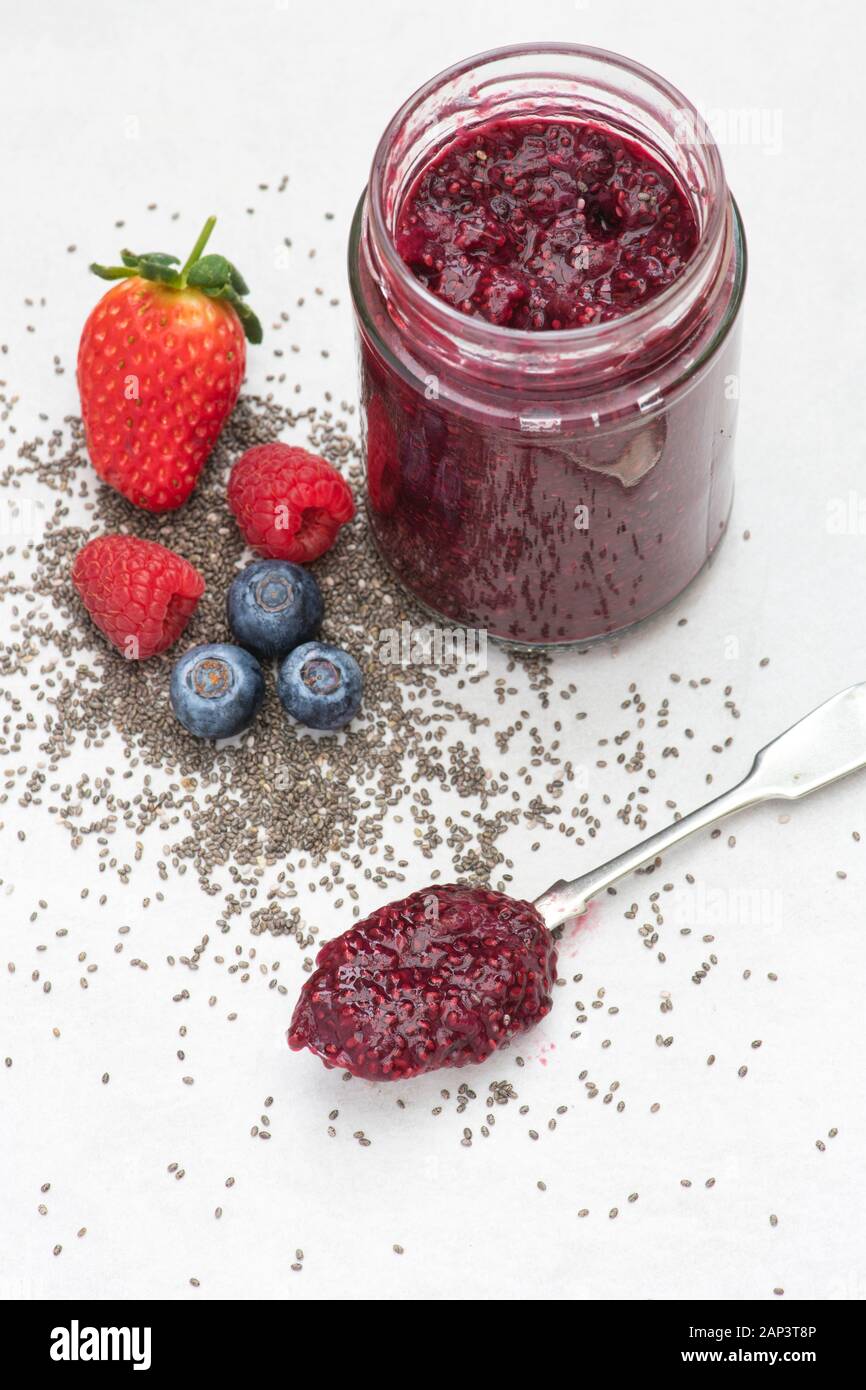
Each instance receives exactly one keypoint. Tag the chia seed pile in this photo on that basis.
(279, 791)
(281, 814)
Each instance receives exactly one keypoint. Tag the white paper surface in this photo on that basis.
(101, 116)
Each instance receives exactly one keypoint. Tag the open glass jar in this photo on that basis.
(549, 487)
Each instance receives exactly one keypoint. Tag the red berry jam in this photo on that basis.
(547, 271)
(440, 979)
(545, 224)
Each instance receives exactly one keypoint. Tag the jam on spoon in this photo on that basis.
(447, 975)
(439, 979)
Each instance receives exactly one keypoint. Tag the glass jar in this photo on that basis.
(548, 487)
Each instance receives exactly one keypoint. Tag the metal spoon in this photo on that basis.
(825, 745)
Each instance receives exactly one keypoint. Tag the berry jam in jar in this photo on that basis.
(547, 268)
(545, 224)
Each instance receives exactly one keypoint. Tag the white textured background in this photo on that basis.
(107, 107)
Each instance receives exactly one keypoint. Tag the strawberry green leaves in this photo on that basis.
(214, 275)
(249, 322)
(210, 273)
(219, 279)
(156, 266)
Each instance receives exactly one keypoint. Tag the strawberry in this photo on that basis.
(160, 365)
(289, 503)
(138, 593)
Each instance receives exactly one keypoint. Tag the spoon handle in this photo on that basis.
(826, 744)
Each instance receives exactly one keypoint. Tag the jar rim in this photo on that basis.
(588, 341)
(690, 368)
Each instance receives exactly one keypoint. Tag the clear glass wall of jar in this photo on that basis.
(549, 487)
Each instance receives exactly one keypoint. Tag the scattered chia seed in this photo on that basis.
(282, 812)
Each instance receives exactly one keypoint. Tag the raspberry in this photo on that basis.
(138, 593)
(439, 979)
(288, 503)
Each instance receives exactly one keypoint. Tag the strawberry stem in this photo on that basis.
(195, 253)
(212, 275)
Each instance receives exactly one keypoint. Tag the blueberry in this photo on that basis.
(216, 689)
(320, 686)
(273, 606)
